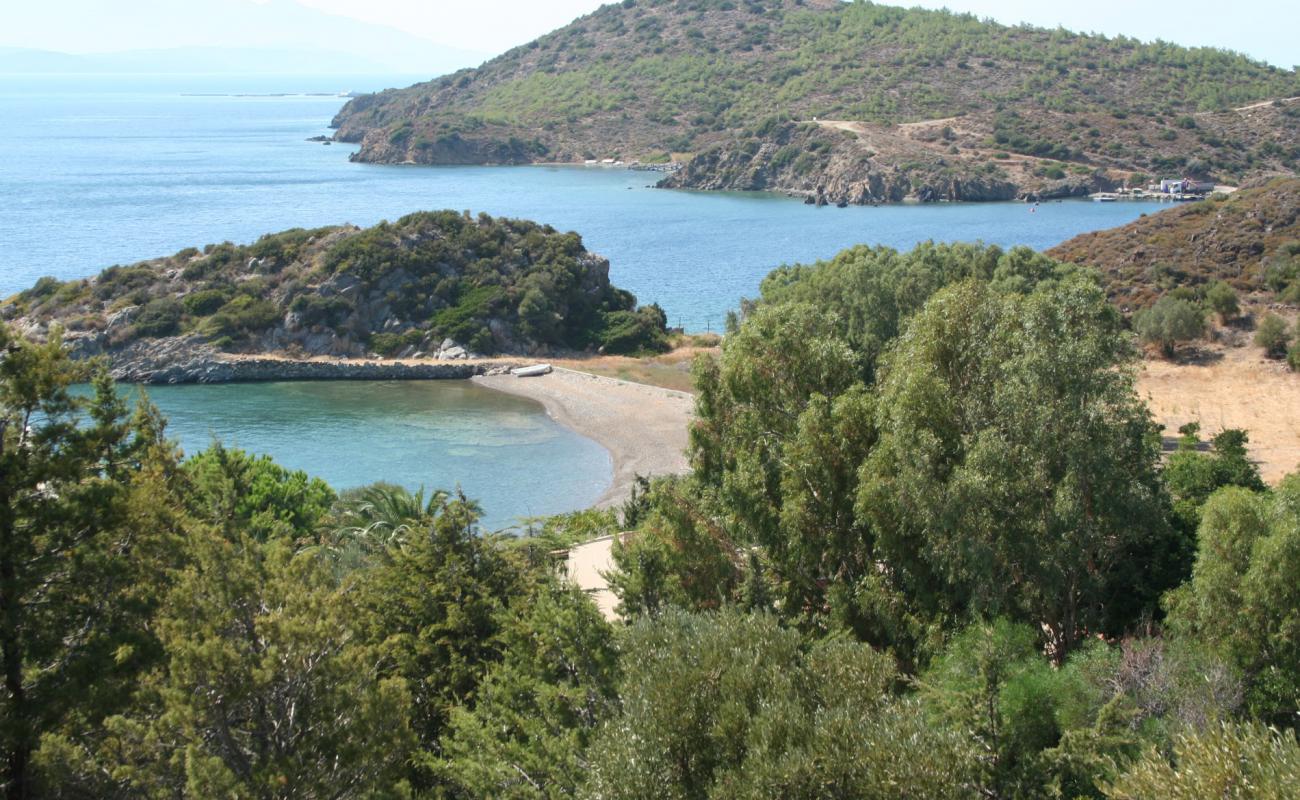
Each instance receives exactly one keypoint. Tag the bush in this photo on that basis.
(1293, 355)
(205, 301)
(1273, 336)
(467, 320)
(161, 317)
(1223, 300)
(240, 317)
(1229, 760)
(314, 309)
(627, 332)
(1170, 321)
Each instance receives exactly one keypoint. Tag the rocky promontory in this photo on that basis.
(847, 103)
(436, 289)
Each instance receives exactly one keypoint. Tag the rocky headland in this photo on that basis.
(847, 103)
(429, 296)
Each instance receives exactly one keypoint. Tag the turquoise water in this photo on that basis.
(503, 451)
(105, 170)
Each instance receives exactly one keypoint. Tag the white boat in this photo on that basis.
(531, 371)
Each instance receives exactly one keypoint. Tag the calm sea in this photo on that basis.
(104, 170)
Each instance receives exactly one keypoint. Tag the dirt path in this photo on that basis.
(1263, 103)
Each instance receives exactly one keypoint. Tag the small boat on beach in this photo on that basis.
(531, 371)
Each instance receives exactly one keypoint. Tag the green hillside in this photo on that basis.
(488, 284)
(647, 79)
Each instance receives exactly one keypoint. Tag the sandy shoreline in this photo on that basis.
(644, 428)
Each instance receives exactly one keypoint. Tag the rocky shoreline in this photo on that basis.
(255, 369)
(190, 359)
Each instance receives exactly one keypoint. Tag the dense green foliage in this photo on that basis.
(899, 484)
(88, 526)
(1171, 321)
(736, 706)
(489, 284)
(928, 549)
(1227, 761)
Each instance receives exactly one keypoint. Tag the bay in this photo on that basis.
(101, 170)
(501, 450)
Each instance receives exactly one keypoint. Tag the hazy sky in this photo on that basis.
(1265, 29)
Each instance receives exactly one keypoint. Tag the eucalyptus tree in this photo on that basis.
(1017, 471)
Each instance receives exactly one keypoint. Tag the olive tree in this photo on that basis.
(1169, 322)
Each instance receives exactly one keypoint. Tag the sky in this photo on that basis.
(1265, 29)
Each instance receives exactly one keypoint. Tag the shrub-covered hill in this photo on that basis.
(1251, 239)
(912, 103)
(490, 285)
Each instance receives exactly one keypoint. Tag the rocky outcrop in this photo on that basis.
(404, 147)
(434, 286)
(254, 369)
(190, 359)
(830, 167)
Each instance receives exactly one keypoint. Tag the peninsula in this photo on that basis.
(847, 103)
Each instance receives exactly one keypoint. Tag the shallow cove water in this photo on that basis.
(503, 451)
(101, 170)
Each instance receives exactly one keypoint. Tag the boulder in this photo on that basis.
(121, 319)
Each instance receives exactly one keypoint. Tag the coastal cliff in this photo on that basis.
(438, 286)
(930, 105)
(856, 165)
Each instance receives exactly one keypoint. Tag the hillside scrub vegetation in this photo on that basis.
(1248, 240)
(491, 285)
(929, 544)
(648, 79)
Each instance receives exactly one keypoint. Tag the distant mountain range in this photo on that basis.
(214, 36)
(848, 103)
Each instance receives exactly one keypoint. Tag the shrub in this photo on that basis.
(205, 301)
(1170, 321)
(159, 317)
(627, 332)
(1273, 336)
(467, 320)
(1293, 355)
(240, 317)
(1223, 300)
(44, 287)
(316, 310)
(1228, 760)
